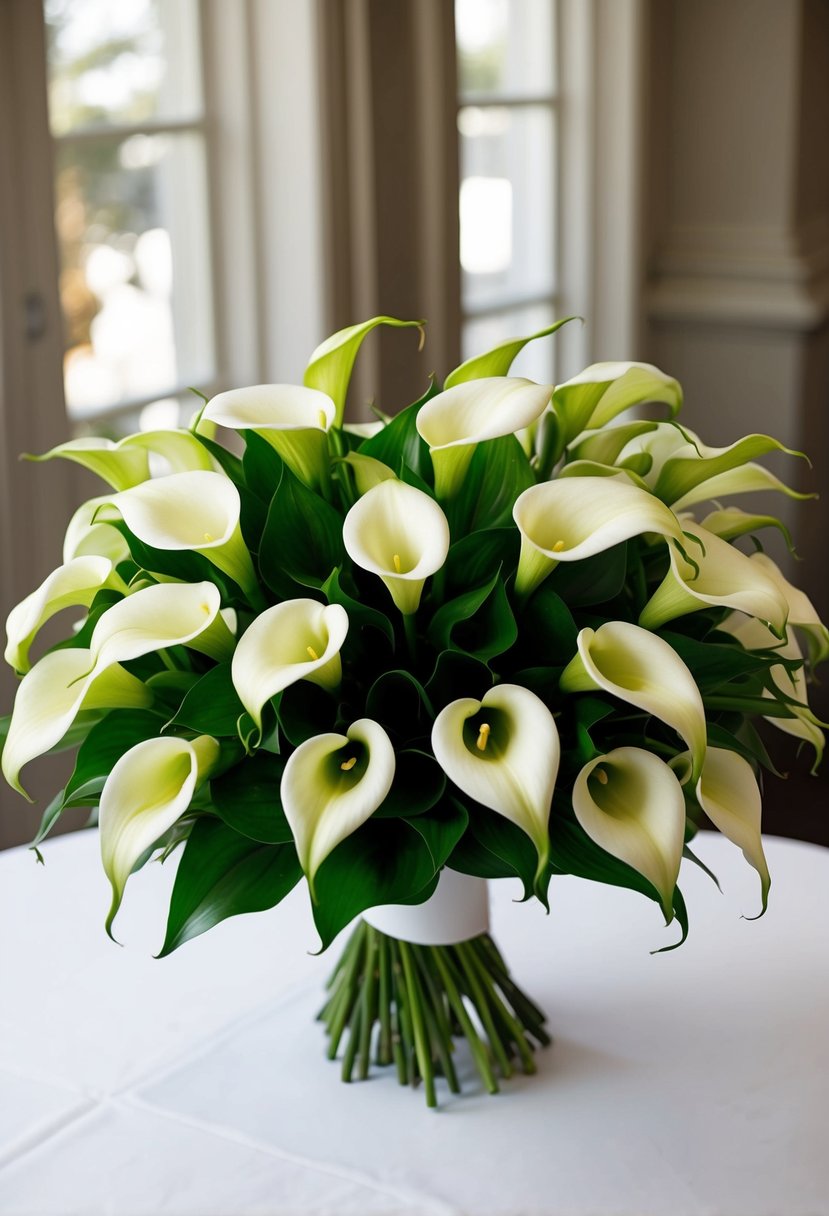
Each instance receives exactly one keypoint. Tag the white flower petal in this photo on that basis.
(51, 696)
(84, 538)
(197, 511)
(631, 804)
(73, 585)
(801, 610)
(724, 577)
(180, 450)
(296, 640)
(747, 479)
(454, 421)
(118, 466)
(641, 669)
(512, 766)
(162, 615)
(728, 792)
(576, 517)
(331, 785)
(147, 791)
(400, 534)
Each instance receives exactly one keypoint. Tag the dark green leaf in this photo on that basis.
(105, 744)
(547, 625)
(507, 842)
(302, 541)
(441, 828)
(400, 704)
(385, 861)
(477, 558)
(262, 466)
(247, 798)
(455, 675)
(479, 622)
(498, 472)
(212, 706)
(399, 444)
(360, 615)
(222, 874)
(595, 580)
(419, 783)
(305, 710)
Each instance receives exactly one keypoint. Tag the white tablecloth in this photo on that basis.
(694, 1083)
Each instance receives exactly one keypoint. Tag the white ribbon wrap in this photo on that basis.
(458, 910)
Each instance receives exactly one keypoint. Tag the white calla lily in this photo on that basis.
(51, 696)
(576, 517)
(753, 635)
(294, 420)
(721, 576)
(198, 510)
(504, 752)
(641, 669)
(331, 785)
(147, 791)
(746, 479)
(728, 792)
(159, 616)
(296, 640)
(365, 430)
(630, 803)
(177, 451)
(85, 538)
(801, 611)
(73, 585)
(400, 534)
(602, 391)
(459, 418)
(127, 463)
(368, 472)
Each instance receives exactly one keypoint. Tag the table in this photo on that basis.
(693, 1083)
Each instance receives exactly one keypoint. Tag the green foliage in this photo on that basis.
(302, 540)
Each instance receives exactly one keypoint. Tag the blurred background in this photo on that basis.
(194, 192)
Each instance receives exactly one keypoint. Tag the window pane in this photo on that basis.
(537, 360)
(507, 213)
(134, 278)
(125, 61)
(505, 47)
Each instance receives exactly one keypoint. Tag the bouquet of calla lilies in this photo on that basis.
(492, 635)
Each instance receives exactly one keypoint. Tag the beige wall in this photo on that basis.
(736, 293)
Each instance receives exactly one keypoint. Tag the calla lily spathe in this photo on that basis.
(576, 517)
(604, 390)
(294, 420)
(63, 682)
(731, 522)
(747, 479)
(331, 785)
(50, 697)
(127, 463)
(400, 534)
(641, 669)
(73, 585)
(198, 511)
(330, 366)
(504, 752)
(721, 576)
(296, 640)
(728, 792)
(456, 420)
(631, 804)
(147, 791)
(801, 611)
(85, 538)
(753, 635)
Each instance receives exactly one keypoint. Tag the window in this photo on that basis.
(507, 113)
(127, 120)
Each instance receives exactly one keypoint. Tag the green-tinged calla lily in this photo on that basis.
(642, 669)
(729, 523)
(747, 479)
(576, 517)
(329, 369)
(331, 785)
(197, 511)
(631, 804)
(160, 616)
(400, 534)
(147, 791)
(607, 445)
(365, 430)
(85, 538)
(73, 585)
(753, 635)
(459, 418)
(127, 462)
(295, 420)
(721, 576)
(604, 390)
(51, 696)
(689, 468)
(728, 792)
(504, 752)
(296, 640)
(368, 472)
(801, 611)
(499, 360)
